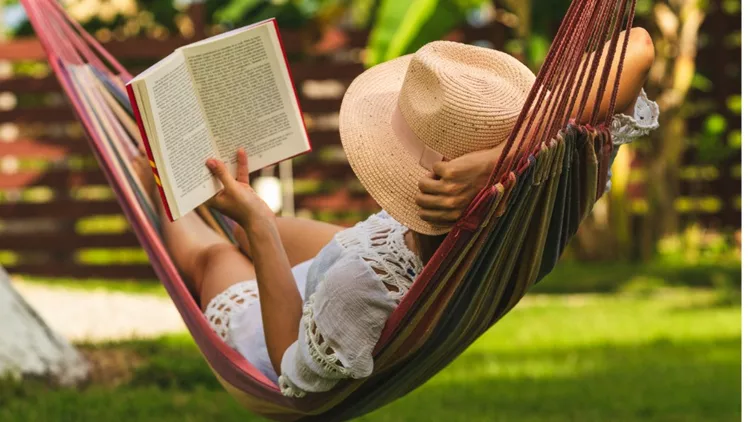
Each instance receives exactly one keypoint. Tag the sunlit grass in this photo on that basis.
(672, 356)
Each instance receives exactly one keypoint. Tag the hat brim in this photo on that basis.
(381, 162)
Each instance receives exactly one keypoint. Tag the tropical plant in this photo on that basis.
(401, 27)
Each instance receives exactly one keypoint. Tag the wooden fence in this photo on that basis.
(57, 216)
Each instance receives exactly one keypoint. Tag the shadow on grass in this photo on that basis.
(657, 381)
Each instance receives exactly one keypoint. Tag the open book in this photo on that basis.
(208, 99)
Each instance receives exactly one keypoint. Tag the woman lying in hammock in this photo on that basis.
(422, 133)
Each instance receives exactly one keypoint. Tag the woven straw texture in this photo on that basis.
(456, 98)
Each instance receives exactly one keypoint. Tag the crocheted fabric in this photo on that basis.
(626, 128)
(362, 287)
(228, 304)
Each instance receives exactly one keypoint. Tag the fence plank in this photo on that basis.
(67, 145)
(64, 113)
(340, 200)
(324, 138)
(314, 169)
(38, 115)
(65, 241)
(144, 48)
(28, 85)
(301, 71)
(60, 209)
(57, 179)
(320, 70)
(114, 272)
(31, 148)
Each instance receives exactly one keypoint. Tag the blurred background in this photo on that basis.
(640, 321)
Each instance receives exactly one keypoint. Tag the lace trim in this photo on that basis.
(320, 351)
(289, 390)
(626, 128)
(227, 304)
(380, 242)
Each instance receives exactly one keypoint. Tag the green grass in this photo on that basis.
(672, 356)
(605, 277)
(150, 287)
(567, 277)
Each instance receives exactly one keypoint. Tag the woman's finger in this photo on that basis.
(433, 202)
(443, 169)
(433, 187)
(219, 170)
(243, 174)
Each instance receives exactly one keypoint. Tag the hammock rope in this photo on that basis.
(547, 178)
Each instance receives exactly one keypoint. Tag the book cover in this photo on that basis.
(147, 147)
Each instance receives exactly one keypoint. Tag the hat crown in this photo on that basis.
(459, 98)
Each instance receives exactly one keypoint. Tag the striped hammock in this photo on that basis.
(546, 181)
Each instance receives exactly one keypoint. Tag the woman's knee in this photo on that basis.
(208, 260)
(218, 267)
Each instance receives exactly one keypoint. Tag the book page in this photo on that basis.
(184, 142)
(247, 97)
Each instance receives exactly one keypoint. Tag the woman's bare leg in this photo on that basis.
(302, 238)
(639, 58)
(210, 262)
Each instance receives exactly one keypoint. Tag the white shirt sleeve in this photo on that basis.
(341, 323)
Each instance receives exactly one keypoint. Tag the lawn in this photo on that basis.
(673, 355)
(568, 277)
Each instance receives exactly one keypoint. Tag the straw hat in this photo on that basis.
(446, 100)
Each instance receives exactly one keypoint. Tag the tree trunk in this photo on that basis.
(672, 74)
(29, 348)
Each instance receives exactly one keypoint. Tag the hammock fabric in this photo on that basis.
(546, 181)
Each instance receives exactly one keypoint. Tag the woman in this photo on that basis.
(422, 133)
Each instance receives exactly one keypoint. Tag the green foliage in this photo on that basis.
(731, 7)
(711, 144)
(643, 286)
(734, 104)
(644, 7)
(571, 277)
(288, 13)
(235, 11)
(538, 46)
(362, 12)
(697, 246)
(735, 139)
(553, 359)
(149, 287)
(403, 27)
(701, 83)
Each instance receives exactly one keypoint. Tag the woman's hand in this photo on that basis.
(238, 200)
(452, 185)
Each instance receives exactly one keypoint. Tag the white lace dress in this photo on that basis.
(350, 288)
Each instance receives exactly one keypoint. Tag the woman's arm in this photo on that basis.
(280, 301)
(281, 304)
(452, 185)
